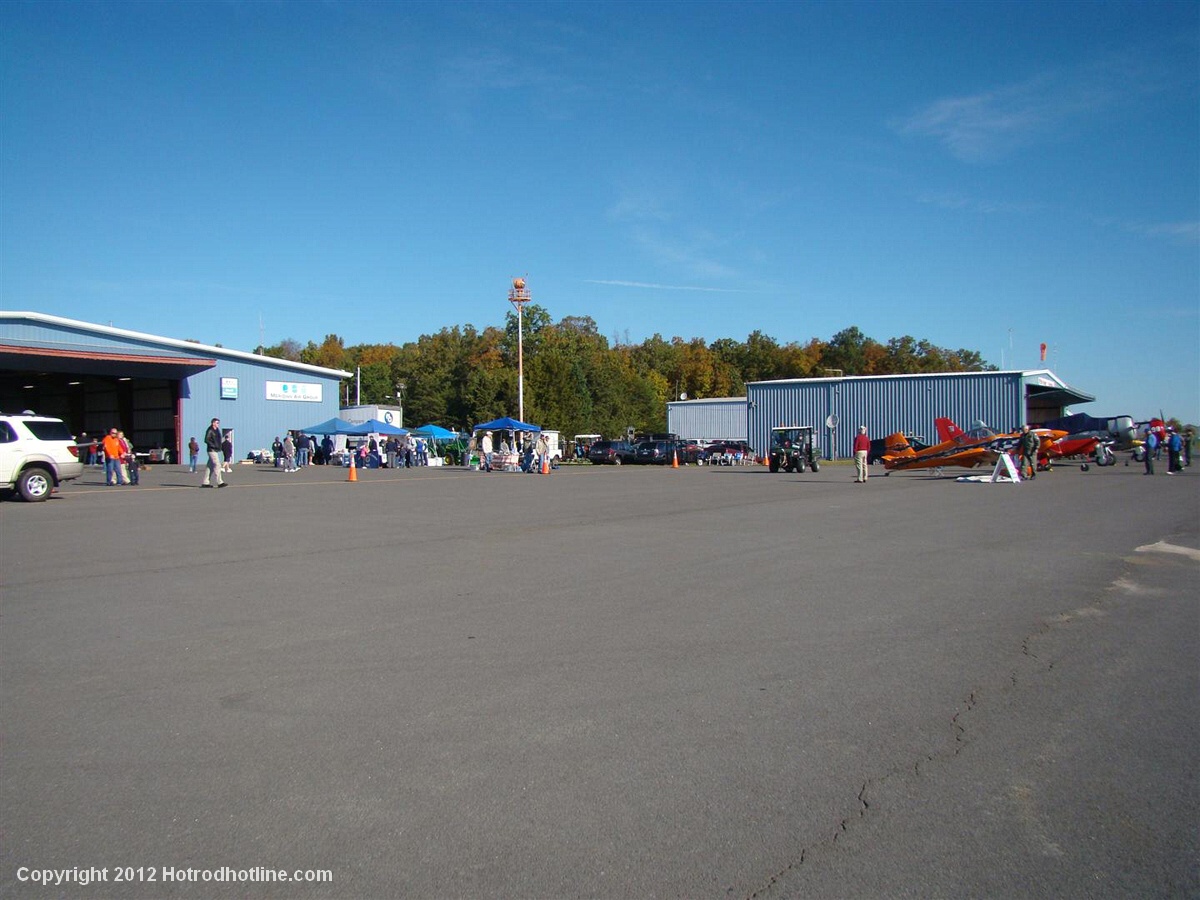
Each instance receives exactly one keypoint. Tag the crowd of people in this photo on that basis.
(524, 453)
(298, 450)
(1178, 446)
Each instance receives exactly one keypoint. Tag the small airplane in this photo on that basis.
(1088, 435)
(968, 449)
(1073, 446)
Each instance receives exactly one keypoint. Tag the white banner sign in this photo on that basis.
(292, 390)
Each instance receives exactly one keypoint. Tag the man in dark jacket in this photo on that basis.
(212, 443)
(1029, 448)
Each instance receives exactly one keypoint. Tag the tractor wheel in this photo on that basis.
(773, 465)
(815, 464)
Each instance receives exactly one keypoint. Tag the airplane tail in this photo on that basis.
(946, 429)
(896, 447)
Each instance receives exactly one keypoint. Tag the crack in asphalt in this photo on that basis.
(1123, 584)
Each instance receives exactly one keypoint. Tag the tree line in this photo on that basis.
(579, 382)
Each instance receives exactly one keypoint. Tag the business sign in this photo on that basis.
(229, 388)
(292, 390)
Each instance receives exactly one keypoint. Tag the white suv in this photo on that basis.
(37, 453)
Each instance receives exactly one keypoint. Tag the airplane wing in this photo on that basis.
(940, 455)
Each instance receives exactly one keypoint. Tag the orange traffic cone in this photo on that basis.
(353, 476)
(675, 459)
(545, 463)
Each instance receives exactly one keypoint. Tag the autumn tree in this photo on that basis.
(578, 382)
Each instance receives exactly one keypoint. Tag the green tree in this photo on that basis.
(847, 351)
(285, 349)
(331, 353)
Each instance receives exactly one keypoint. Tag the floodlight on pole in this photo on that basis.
(518, 296)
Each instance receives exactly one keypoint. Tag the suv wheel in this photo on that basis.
(35, 484)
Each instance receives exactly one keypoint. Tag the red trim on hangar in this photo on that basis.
(188, 361)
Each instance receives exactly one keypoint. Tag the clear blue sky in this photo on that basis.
(984, 175)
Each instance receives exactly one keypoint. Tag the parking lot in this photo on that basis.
(605, 682)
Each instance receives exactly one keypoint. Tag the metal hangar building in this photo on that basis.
(887, 404)
(714, 419)
(160, 391)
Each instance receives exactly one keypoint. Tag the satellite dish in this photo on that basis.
(683, 396)
(832, 422)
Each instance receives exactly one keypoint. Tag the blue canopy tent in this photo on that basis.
(446, 445)
(510, 461)
(507, 424)
(377, 426)
(332, 426)
(437, 432)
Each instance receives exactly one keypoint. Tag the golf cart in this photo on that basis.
(793, 449)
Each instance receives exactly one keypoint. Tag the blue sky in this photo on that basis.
(988, 176)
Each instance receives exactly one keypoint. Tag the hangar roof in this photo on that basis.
(24, 353)
(1041, 382)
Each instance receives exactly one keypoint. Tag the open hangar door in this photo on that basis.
(1047, 400)
(138, 396)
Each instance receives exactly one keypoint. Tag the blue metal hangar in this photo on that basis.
(887, 404)
(713, 419)
(160, 391)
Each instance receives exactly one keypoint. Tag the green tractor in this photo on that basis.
(793, 449)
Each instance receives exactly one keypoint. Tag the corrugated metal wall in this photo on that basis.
(719, 419)
(907, 403)
(256, 421)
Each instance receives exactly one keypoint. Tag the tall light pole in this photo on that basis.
(518, 297)
(400, 401)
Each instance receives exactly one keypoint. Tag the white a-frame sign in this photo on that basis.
(1005, 470)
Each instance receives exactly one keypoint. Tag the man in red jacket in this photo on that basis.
(862, 446)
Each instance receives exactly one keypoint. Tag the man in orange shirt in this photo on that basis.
(112, 458)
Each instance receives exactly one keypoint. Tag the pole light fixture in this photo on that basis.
(518, 297)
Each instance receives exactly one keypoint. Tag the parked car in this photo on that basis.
(728, 453)
(691, 452)
(654, 452)
(615, 453)
(37, 454)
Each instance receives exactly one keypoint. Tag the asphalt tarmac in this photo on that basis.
(605, 682)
